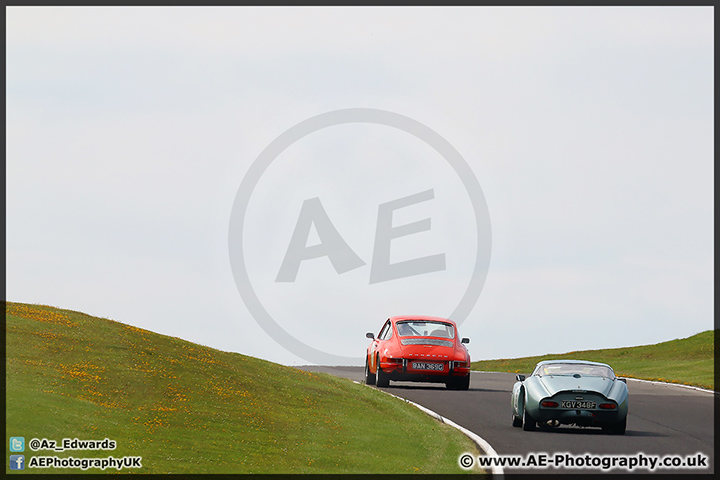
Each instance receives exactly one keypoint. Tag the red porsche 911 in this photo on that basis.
(420, 349)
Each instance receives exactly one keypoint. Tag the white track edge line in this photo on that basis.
(496, 470)
(699, 389)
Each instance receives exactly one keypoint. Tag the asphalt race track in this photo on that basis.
(662, 420)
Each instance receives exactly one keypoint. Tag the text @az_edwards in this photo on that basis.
(71, 444)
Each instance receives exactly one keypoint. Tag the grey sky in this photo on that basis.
(590, 130)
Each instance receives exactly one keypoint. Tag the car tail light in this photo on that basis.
(608, 406)
(395, 360)
(549, 404)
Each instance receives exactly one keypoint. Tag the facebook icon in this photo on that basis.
(17, 462)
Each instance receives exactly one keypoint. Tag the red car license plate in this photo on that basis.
(428, 366)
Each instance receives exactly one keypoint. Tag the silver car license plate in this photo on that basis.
(428, 366)
(577, 404)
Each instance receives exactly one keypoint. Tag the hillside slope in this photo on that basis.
(689, 361)
(186, 408)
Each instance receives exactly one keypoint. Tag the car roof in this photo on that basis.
(585, 362)
(398, 318)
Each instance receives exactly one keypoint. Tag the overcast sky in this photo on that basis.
(589, 130)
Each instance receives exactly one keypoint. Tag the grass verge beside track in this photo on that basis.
(186, 408)
(688, 361)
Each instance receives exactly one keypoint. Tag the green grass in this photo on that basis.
(688, 361)
(186, 408)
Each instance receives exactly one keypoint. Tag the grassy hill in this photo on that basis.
(186, 408)
(688, 361)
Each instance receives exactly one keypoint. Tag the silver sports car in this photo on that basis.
(570, 392)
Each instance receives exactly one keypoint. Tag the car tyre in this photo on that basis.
(369, 377)
(382, 379)
(528, 422)
(461, 383)
(616, 428)
(516, 421)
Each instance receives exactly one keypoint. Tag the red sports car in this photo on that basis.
(418, 348)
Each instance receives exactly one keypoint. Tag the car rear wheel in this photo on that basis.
(528, 422)
(369, 377)
(616, 428)
(458, 383)
(516, 421)
(382, 379)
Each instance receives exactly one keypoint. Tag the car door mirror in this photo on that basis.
(520, 378)
(370, 335)
(465, 340)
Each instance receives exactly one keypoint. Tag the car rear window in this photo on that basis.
(584, 369)
(421, 328)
